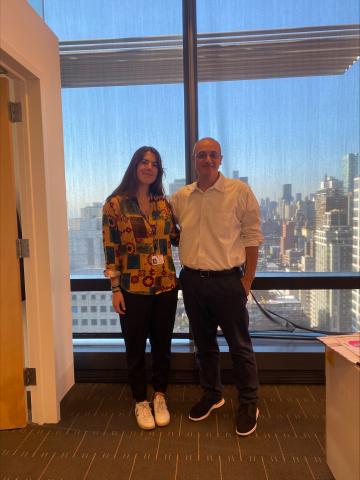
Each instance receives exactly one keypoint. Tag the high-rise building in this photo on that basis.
(308, 207)
(235, 175)
(286, 210)
(91, 311)
(287, 193)
(305, 213)
(268, 209)
(350, 171)
(330, 196)
(287, 241)
(286, 206)
(307, 265)
(331, 309)
(355, 299)
(85, 241)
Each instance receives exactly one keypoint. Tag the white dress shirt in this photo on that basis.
(216, 225)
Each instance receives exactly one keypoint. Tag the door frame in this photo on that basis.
(29, 53)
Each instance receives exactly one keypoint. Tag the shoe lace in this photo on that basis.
(143, 409)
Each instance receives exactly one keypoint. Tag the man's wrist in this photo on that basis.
(247, 279)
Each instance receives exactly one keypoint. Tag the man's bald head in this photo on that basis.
(206, 140)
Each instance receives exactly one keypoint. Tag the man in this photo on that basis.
(220, 234)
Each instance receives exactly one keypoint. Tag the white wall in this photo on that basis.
(29, 50)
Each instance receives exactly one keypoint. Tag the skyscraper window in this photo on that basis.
(278, 86)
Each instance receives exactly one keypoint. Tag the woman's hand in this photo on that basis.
(118, 302)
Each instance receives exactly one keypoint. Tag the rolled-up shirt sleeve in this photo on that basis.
(251, 234)
(111, 240)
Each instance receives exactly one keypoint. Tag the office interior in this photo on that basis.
(307, 283)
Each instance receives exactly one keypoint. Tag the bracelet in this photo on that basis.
(114, 290)
(115, 286)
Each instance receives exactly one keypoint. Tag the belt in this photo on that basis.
(213, 273)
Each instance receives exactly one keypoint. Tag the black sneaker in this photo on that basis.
(202, 409)
(246, 419)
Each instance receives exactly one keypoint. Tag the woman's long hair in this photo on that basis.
(129, 183)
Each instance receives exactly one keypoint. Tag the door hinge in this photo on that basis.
(15, 112)
(22, 248)
(29, 376)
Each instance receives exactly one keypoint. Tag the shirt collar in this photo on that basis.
(218, 185)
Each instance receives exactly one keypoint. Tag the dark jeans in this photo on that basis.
(153, 317)
(220, 301)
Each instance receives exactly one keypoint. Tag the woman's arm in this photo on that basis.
(174, 229)
(111, 242)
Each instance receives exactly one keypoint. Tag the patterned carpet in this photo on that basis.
(97, 438)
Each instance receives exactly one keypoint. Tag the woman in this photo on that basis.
(138, 230)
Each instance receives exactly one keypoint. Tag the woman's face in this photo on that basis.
(148, 169)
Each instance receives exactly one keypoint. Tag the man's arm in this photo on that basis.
(251, 236)
(252, 254)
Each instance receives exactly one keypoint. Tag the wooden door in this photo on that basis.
(12, 390)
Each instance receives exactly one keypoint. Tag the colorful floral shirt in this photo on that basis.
(131, 240)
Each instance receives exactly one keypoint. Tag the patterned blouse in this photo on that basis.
(131, 240)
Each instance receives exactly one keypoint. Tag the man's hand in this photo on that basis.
(118, 302)
(251, 261)
(246, 282)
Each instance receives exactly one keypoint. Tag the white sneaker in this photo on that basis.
(161, 412)
(144, 416)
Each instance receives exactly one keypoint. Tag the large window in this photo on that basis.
(278, 86)
(118, 94)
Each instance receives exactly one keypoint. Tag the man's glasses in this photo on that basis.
(202, 155)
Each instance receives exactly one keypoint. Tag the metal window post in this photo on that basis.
(190, 85)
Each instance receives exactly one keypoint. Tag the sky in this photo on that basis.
(275, 131)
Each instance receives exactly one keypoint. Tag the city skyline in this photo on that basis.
(294, 207)
(180, 181)
(300, 234)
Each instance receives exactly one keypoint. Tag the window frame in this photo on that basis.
(263, 280)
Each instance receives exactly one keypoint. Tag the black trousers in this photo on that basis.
(153, 317)
(220, 301)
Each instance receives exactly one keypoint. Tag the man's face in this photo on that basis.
(207, 156)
